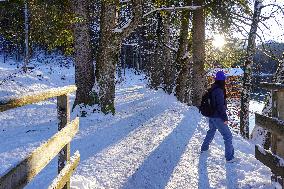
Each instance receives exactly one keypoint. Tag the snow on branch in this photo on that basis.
(124, 1)
(119, 30)
(170, 47)
(186, 55)
(173, 8)
(133, 22)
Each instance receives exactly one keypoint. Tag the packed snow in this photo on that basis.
(153, 141)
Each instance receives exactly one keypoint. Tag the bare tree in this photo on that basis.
(247, 79)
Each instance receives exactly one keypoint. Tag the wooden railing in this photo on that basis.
(58, 144)
(273, 156)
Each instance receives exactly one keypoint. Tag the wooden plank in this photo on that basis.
(274, 114)
(270, 160)
(66, 172)
(26, 170)
(63, 112)
(274, 104)
(271, 124)
(280, 110)
(272, 86)
(280, 104)
(35, 97)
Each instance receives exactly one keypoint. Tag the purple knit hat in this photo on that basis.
(220, 75)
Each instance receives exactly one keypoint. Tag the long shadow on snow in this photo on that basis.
(156, 170)
(146, 97)
(231, 176)
(96, 141)
(203, 180)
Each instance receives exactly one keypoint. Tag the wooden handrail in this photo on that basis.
(271, 124)
(31, 98)
(66, 172)
(27, 169)
(272, 86)
(270, 160)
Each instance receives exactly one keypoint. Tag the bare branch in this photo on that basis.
(133, 22)
(170, 47)
(274, 5)
(173, 8)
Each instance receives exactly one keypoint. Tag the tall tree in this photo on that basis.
(84, 68)
(181, 57)
(157, 63)
(111, 36)
(26, 36)
(169, 68)
(198, 54)
(247, 79)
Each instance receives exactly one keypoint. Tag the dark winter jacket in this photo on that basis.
(219, 103)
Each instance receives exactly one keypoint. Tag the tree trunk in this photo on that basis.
(107, 54)
(168, 69)
(181, 61)
(198, 54)
(245, 95)
(157, 64)
(107, 57)
(84, 68)
(26, 37)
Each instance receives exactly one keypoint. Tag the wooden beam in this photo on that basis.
(65, 174)
(31, 98)
(64, 118)
(272, 86)
(270, 160)
(271, 124)
(26, 170)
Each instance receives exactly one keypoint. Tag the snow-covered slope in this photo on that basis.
(153, 141)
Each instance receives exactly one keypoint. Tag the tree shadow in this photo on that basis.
(203, 181)
(114, 132)
(156, 170)
(231, 176)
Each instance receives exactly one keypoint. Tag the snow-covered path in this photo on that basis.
(152, 142)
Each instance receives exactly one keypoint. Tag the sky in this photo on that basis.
(270, 30)
(275, 24)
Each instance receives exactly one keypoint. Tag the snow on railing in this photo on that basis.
(59, 144)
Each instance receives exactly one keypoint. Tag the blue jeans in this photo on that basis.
(214, 124)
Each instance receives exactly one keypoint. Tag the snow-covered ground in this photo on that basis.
(153, 141)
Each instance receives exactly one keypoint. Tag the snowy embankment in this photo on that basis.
(153, 141)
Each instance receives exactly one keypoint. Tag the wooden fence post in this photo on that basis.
(274, 114)
(64, 118)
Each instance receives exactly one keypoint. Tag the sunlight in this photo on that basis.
(218, 41)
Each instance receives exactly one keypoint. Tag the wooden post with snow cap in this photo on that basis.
(273, 158)
(63, 112)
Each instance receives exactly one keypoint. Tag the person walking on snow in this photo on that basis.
(219, 119)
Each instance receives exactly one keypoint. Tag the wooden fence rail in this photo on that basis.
(35, 97)
(26, 170)
(273, 156)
